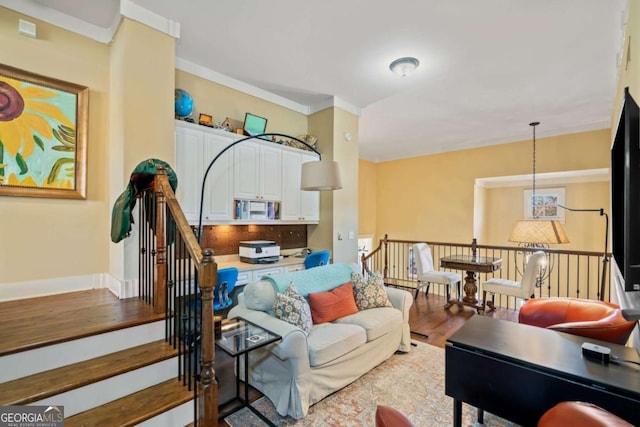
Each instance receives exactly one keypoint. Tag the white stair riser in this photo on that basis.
(54, 356)
(96, 394)
(179, 416)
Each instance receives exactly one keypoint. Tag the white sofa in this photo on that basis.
(300, 370)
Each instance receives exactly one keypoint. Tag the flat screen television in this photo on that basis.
(625, 194)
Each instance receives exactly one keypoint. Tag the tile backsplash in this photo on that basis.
(225, 239)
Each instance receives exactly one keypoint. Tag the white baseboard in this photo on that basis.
(61, 285)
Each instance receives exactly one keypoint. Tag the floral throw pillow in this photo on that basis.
(291, 307)
(369, 292)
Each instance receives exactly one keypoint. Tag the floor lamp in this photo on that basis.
(605, 259)
(316, 176)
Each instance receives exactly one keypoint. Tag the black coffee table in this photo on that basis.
(518, 372)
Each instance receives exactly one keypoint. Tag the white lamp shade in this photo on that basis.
(320, 175)
(538, 231)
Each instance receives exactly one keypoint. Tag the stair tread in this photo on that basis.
(41, 321)
(134, 408)
(23, 391)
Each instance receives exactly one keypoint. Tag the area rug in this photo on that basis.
(413, 383)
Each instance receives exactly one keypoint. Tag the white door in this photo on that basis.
(189, 170)
(246, 170)
(290, 208)
(219, 190)
(309, 200)
(270, 182)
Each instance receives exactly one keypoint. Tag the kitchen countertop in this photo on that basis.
(225, 261)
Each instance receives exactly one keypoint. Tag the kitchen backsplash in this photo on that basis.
(225, 239)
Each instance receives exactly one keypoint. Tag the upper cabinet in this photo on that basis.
(250, 171)
(194, 151)
(298, 205)
(258, 171)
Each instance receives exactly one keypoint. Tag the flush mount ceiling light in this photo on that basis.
(404, 66)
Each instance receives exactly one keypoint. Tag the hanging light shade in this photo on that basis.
(538, 232)
(321, 175)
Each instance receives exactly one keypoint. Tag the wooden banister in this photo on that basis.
(207, 269)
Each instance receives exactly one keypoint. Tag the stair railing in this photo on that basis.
(178, 277)
(574, 274)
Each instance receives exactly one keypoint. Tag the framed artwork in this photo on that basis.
(545, 204)
(205, 120)
(43, 136)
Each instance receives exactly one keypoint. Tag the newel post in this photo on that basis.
(208, 393)
(160, 290)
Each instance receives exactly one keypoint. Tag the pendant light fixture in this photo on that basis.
(537, 233)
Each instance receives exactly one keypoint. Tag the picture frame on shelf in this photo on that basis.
(254, 125)
(205, 120)
(44, 126)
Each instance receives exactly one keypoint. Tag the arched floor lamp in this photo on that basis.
(605, 259)
(316, 176)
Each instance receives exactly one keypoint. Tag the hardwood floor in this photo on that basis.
(427, 316)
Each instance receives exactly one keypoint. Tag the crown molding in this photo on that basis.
(334, 101)
(59, 19)
(137, 13)
(549, 178)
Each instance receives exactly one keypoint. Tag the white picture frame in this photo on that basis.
(545, 205)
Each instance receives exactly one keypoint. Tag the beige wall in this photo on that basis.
(432, 197)
(142, 61)
(222, 102)
(367, 178)
(51, 238)
(584, 229)
(629, 72)
(338, 209)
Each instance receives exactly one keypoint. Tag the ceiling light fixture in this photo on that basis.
(404, 66)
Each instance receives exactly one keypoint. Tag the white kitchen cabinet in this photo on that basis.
(258, 274)
(297, 205)
(258, 171)
(195, 149)
(294, 267)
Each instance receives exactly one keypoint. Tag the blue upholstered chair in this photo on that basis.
(227, 278)
(316, 259)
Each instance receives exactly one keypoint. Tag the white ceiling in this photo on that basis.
(487, 68)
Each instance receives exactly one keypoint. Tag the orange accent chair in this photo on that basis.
(580, 414)
(386, 416)
(587, 318)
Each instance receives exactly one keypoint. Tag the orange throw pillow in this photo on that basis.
(332, 305)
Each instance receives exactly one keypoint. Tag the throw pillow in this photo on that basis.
(291, 307)
(369, 292)
(333, 304)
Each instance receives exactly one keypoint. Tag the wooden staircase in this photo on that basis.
(104, 359)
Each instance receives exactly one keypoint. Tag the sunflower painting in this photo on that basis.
(43, 128)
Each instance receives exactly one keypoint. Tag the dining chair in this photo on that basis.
(425, 272)
(316, 259)
(523, 289)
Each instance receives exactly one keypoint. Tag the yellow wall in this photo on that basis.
(368, 182)
(432, 197)
(50, 238)
(131, 101)
(505, 206)
(629, 72)
(222, 102)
